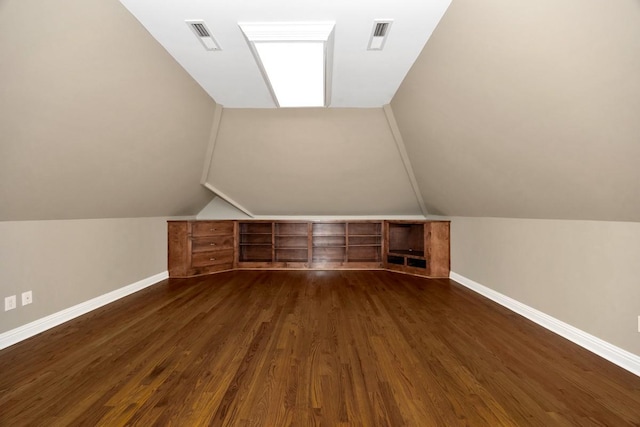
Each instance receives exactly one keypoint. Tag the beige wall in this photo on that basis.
(68, 262)
(584, 273)
(96, 119)
(220, 209)
(527, 109)
(311, 162)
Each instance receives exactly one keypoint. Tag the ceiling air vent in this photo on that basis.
(379, 33)
(202, 33)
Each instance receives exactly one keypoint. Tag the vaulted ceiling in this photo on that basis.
(96, 119)
(528, 109)
(512, 109)
(359, 77)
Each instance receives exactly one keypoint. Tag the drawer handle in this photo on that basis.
(212, 259)
(213, 229)
(212, 244)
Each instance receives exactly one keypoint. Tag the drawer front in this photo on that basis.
(202, 259)
(208, 269)
(211, 228)
(214, 243)
(218, 267)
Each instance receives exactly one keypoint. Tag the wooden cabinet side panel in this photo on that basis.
(385, 245)
(178, 248)
(437, 242)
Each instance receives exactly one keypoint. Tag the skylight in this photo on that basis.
(295, 60)
(295, 72)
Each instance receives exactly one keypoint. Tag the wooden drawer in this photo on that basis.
(211, 228)
(218, 267)
(202, 259)
(214, 243)
(208, 269)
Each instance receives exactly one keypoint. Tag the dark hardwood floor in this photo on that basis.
(303, 348)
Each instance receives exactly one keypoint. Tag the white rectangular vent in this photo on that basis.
(203, 34)
(379, 34)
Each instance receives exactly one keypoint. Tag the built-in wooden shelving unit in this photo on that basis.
(203, 247)
(329, 243)
(420, 248)
(291, 242)
(255, 242)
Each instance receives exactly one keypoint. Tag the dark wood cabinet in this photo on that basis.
(328, 244)
(255, 243)
(309, 244)
(291, 244)
(418, 247)
(364, 242)
(200, 247)
(273, 244)
(203, 247)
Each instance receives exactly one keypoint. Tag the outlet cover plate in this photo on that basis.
(27, 298)
(9, 303)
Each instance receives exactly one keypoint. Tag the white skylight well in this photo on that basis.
(295, 71)
(295, 60)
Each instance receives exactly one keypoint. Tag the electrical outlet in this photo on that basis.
(27, 298)
(9, 303)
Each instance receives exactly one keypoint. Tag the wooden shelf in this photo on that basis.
(420, 247)
(418, 254)
(203, 247)
(255, 242)
(365, 228)
(291, 243)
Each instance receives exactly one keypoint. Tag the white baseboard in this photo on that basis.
(37, 326)
(616, 355)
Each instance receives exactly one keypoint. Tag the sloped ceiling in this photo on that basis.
(513, 109)
(96, 119)
(311, 162)
(528, 109)
(360, 78)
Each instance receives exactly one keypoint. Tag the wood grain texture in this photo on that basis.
(315, 245)
(178, 250)
(437, 243)
(200, 247)
(322, 348)
(418, 247)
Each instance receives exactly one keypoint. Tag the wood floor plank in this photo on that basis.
(334, 348)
